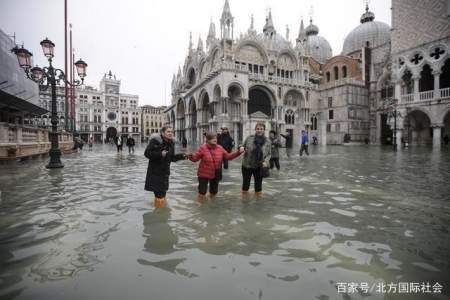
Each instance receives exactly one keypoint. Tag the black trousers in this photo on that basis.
(203, 185)
(247, 176)
(225, 164)
(304, 148)
(160, 194)
(275, 161)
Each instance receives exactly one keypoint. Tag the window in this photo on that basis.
(330, 102)
(328, 76)
(344, 72)
(336, 73)
(328, 127)
(330, 114)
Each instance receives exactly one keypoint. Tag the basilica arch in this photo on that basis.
(261, 99)
(181, 125)
(206, 111)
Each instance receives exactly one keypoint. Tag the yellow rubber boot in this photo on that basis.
(201, 198)
(160, 202)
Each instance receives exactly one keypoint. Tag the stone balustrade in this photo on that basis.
(17, 141)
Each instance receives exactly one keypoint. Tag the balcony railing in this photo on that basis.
(426, 96)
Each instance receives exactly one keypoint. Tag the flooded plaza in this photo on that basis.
(361, 214)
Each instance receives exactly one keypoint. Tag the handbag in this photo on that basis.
(265, 172)
(217, 172)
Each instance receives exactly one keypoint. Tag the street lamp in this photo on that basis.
(394, 113)
(49, 77)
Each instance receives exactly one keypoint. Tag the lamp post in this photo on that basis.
(394, 114)
(49, 77)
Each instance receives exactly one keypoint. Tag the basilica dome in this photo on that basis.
(316, 46)
(369, 33)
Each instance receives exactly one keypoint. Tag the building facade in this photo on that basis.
(106, 113)
(152, 119)
(263, 77)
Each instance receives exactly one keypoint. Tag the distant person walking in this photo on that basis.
(161, 152)
(225, 140)
(119, 143)
(275, 153)
(210, 169)
(288, 143)
(304, 142)
(184, 142)
(130, 144)
(256, 157)
(91, 142)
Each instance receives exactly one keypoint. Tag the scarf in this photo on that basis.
(258, 156)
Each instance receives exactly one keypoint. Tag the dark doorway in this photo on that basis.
(111, 133)
(426, 81)
(386, 131)
(259, 100)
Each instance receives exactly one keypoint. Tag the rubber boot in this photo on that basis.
(160, 202)
(201, 198)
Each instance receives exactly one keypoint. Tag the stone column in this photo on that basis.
(436, 135)
(416, 87)
(399, 136)
(436, 75)
(398, 91)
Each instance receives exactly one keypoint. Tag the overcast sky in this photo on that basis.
(144, 42)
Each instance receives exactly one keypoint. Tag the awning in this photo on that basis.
(15, 103)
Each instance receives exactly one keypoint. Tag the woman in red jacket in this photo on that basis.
(210, 169)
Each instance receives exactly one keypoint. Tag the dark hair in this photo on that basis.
(261, 124)
(164, 128)
(273, 131)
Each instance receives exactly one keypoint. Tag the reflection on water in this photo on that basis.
(343, 214)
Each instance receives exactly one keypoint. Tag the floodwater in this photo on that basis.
(343, 215)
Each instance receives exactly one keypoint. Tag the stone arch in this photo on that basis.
(417, 124)
(235, 92)
(215, 57)
(192, 111)
(287, 60)
(246, 50)
(261, 99)
(172, 119)
(294, 98)
(203, 69)
(205, 107)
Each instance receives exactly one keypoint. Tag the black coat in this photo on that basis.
(158, 170)
(288, 138)
(226, 141)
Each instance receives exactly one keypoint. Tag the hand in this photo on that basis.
(164, 153)
(187, 155)
(241, 149)
(264, 164)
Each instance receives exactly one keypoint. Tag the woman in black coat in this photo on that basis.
(160, 152)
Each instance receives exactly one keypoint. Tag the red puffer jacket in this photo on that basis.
(206, 152)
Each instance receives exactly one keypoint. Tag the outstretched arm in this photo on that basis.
(232, 155)
(195, 156)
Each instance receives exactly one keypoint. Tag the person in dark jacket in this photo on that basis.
(161, 152)
(225, 140)
(256, 156)
(184, 142)
(275, 153)
(130, 144)
(288, 138)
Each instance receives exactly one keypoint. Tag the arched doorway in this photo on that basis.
(260, 100)
(207, 111)
(417, 128)
(193, 113)
(172, 120)
(111, 134)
